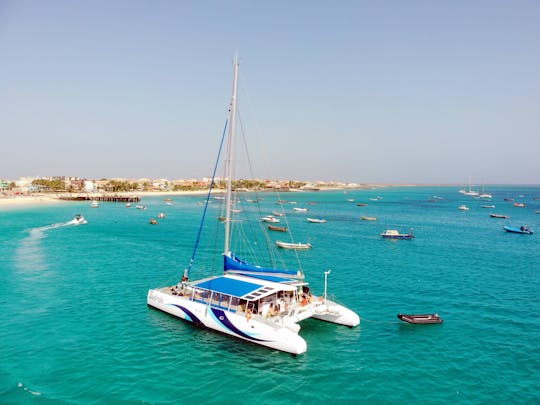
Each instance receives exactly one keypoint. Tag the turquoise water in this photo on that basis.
(76, 327)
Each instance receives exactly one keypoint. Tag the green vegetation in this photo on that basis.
(49, 185)
(119, 186)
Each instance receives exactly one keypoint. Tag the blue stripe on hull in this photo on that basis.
(221, 317)
(190, 316)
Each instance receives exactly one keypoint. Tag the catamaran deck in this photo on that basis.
(235, 294)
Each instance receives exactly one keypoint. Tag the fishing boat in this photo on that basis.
(516, 229)
(361, 205)
(277, 228)
(394, 234)
(364, 218)
(292, 245)
(520, 205)
(420, 318)
(498, 216)
(237, 303)
(316, 220)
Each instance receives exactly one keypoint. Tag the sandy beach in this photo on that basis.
(7, 201)
(18, 200)
(27, 200)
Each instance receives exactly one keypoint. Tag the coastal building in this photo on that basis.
(89, 186)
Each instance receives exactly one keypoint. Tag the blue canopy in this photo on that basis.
(229, 286)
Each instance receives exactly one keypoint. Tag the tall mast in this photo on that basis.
(230, 159)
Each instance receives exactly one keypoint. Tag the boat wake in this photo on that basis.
(21, 385)
(29, 255)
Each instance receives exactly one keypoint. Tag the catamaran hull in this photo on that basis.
(230, 323)
(335, 313)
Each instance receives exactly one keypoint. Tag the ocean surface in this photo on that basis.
(75, 327)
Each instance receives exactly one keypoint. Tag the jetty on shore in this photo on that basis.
(100, 197)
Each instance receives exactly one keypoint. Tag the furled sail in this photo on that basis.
(233, 264)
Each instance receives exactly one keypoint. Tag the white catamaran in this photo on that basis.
(262, 305)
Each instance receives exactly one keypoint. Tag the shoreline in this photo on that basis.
(25, 200)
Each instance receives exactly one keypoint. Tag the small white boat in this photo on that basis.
(297, 209)
(78, 220)
(463, 207)
(394, 234)
(296, 246)
(271, 219)
(128, 205)
(94, 204)
(161, 215)
(316, 220)
(368, 218)
(488, 206)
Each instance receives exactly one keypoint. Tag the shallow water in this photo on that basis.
(76, 327)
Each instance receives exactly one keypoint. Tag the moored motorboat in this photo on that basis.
(153, 221)
(463, 207)
(291, 245)
(277, 228)
(498, 216)
(368, 218)
(316, 220)
(270, 218)
(394, 234)
(420, 318)
(521, 229)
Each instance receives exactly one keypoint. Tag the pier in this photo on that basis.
(101, 197)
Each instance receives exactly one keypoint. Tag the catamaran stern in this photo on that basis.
(335, 313)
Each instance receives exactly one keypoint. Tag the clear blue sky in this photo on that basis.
(357, 91)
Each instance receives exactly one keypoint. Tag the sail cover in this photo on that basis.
(233, 264)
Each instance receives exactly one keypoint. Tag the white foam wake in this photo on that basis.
(29, 255)
(21, 385)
